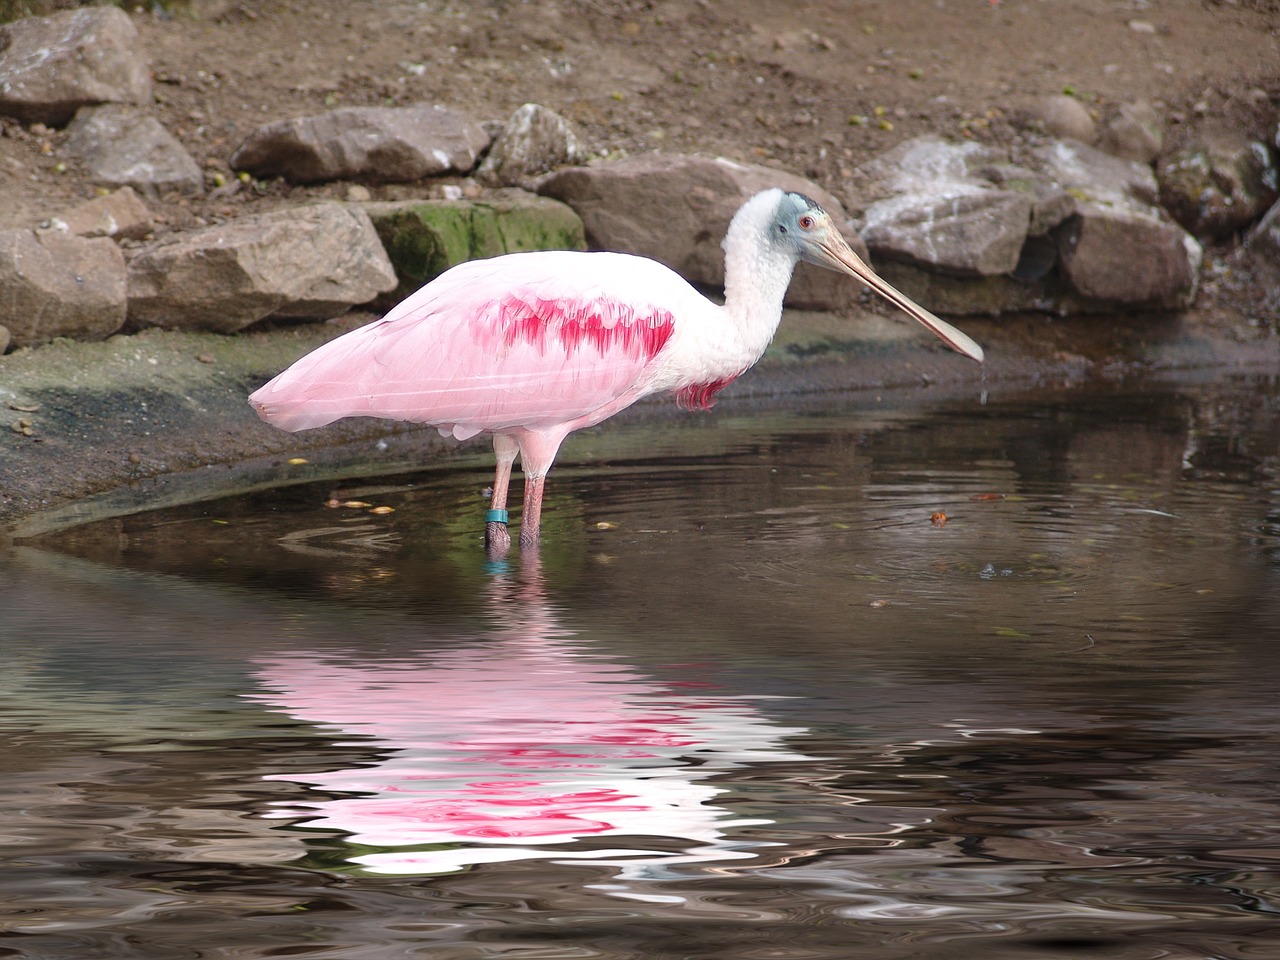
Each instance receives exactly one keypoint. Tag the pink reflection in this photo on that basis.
(526, 738)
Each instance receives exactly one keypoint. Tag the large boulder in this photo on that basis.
(1067, 229)
(426, 237)
(50, 67)
(675, 209)
(1219, 184)
(1119, 248)
(385, 144)
(533, 142)
(53, 284)
(122, 146)
(310, 262)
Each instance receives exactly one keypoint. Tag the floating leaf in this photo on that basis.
(297, 461)
(355, 504)
(1012, 633)
(380, 511)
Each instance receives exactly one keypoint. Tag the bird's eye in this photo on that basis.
(807, 222)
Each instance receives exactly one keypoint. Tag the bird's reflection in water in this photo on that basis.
(501, 748)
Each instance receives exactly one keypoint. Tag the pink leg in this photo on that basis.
(537, 451)
(497, 538)
(531, 518)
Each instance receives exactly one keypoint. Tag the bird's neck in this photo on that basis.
(756, 280)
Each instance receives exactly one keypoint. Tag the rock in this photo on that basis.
(425, 237)
(1131, 259)
(121, 214)
(1096, 177)
(386, 144)
(123, 146)
(1064, 116)
(309, 262)
(971, 232)
(1219, 184)
(53, 284)
(937, 212)
(52, 66)
(533, 142)
(675, 209)
(963, 230)
(1263, 248)
(1119, 247)
(5, 338)
(1135, 132)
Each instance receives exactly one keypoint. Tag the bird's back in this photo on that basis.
(525, 340)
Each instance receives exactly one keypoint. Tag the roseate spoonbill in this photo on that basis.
(531, 346)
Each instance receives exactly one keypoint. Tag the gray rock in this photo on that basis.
(52, 66)
(310, 262)
(533, 142)
(1262, 246)
(963, 230)
(121, 214)
(937, 211)
(1092, 176)
(123, 146)
(675, 209)
(425, 237)
(1130, 259)
(1064, 116)
(969, 232)
(1119, 247)
(1135, 132)
(53, 284)
(1220, 184)
(5, 338)
(386, 144)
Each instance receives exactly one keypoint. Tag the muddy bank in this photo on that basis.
(92, 429)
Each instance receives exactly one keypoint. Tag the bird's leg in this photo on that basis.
(497, 538)
(531, 517)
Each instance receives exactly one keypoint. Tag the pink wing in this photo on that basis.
(526, 340)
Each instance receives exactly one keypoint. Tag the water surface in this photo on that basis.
(853, 680)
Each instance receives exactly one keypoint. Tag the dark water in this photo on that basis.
(751, 701)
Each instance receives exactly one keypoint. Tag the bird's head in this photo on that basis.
(800, 226)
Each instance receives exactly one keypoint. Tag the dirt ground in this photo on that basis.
(811, 86)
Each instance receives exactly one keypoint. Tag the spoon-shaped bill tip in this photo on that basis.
(838, 255)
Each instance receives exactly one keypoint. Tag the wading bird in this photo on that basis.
(529, 347)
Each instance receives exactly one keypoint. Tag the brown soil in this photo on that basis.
(769, 81)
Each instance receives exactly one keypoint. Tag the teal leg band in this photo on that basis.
(496, 516)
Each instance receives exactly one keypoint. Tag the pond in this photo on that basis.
(994, 676)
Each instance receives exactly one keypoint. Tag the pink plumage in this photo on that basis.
(532, 346)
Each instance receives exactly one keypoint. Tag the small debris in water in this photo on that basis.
(606, 525)
(988, 496)
(877, 604)
(938, 518)
(25, 407)
(297, 461)
(355, 504)
(383, 510)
